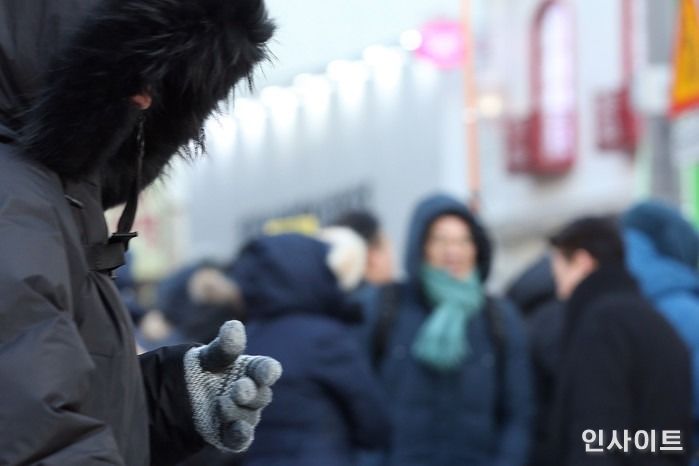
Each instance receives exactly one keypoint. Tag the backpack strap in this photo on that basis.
(496, 327)
(387, 311)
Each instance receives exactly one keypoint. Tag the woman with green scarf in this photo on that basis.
(455, 363)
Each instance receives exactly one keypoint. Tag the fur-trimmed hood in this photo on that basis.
(69, 67)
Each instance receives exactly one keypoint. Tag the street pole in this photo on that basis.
(473, 163)
(660, 26)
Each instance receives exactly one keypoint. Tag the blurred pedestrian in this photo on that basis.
(328, 404)
(663, 254)
(534, 290)
(198, 299)
(624, 369)
(378, 285)
(379, 264)
(96, 98)
(534, 294)
(456, 366)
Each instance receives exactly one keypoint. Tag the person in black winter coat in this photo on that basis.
(624, 369)
(96, 98)
(534, 294)
(328, 404)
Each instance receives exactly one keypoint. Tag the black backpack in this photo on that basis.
(387, 309)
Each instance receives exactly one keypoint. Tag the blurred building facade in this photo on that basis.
(569, 111)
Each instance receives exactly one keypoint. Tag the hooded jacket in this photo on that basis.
(673, 288)
(453, 419)
(328, 404)
(73, 390)
(662, 253)
(672, 236)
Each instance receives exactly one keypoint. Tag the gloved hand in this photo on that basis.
(228, 390)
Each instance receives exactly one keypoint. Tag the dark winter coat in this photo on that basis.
(328, 404)
(624, 367)
(73, 391)
(534, 294)
(474, 416)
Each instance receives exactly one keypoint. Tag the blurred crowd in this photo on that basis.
(597, 338)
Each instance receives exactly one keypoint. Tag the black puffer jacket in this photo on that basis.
(73, 391)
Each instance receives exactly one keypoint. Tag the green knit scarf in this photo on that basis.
(442, 341)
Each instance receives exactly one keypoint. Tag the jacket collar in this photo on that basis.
(86, 199)
(605, 281)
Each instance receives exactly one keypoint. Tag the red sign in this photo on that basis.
(519, 142)
(617, 125)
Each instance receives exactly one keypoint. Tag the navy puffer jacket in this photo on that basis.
(328, 404)
(471, 417)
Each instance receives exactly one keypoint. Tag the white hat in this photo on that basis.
(347, 257)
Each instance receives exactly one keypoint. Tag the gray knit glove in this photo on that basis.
(227, 389)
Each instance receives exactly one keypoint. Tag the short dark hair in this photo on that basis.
(599, 236)
(362, 222)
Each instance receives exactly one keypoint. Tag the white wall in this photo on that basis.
(397, 135)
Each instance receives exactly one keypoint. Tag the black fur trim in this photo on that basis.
(188, 54)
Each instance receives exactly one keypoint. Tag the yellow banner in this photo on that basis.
(685, 88)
